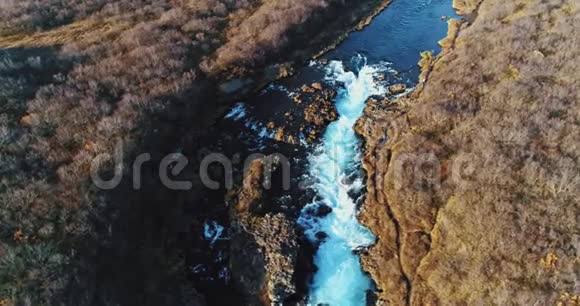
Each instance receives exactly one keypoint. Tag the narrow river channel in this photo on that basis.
(326, 172)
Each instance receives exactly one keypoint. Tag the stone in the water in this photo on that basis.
(322, 210)
(397, 89)
(297, 99)
(285, 71)
(279, 134)
(321, 236)
(355, 194)
(316, 86)
(307, 89)
(320, 112)
(359, 250)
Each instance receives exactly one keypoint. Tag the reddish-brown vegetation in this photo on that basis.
(112, 70)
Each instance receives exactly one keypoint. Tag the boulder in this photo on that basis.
(317, 86)
(307, 89)
(285, 70)
(320, 113)
(297, 99)
(397, 89)
(279, 134)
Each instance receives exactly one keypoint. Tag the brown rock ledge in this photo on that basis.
(264, 247)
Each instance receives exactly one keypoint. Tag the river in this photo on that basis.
(327, 172)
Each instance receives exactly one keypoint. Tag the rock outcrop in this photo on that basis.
(397, 89)
(264, 246)
(313, 110)
(473, 185)
(320, 113)
(320, 110)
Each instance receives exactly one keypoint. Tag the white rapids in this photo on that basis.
(334, 166)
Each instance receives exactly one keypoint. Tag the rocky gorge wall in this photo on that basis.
(264, 245)
(472, 180)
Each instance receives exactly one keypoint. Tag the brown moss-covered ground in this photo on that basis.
(475, 193)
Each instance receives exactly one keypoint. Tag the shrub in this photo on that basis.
(33, 274)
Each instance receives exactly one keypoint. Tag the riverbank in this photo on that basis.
(472, 180)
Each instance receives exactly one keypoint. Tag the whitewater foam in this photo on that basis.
(237, 112)
(212, 231)
(339, 279)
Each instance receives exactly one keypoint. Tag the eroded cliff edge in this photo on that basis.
(264, 244)
(473, 179)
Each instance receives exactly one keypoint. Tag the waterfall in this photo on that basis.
(335, 166)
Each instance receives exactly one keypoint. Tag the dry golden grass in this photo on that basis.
(484, 160)
(85, 32)
(466, 7)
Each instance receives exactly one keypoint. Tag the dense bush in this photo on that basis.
(40, 15)
(22, 169)
(34, 15)
(57, 112)
(267, 29)
(61, 107)
(34, 274)
(83, 113)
